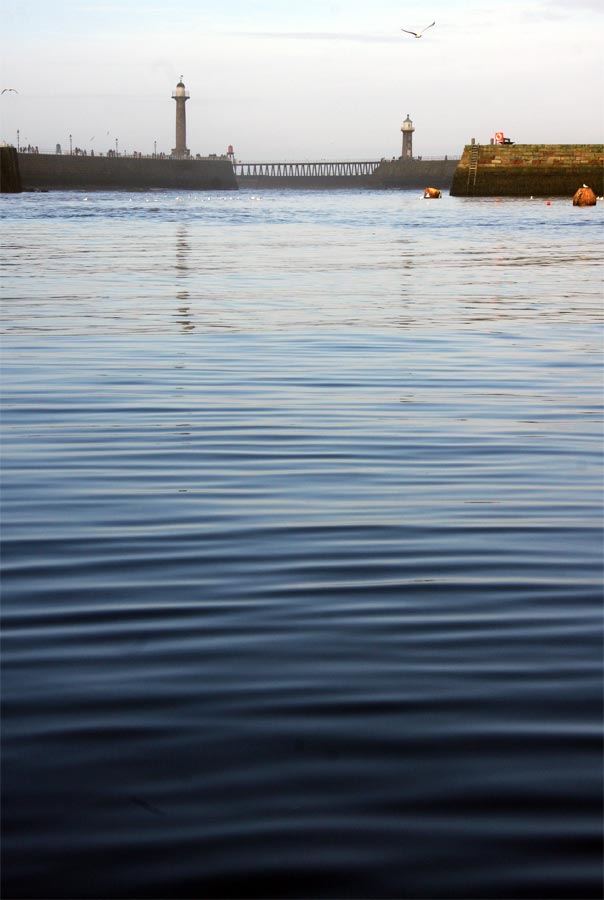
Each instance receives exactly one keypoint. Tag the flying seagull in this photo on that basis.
(10, 89)
(416, 33)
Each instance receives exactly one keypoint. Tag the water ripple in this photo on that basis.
(302, 547)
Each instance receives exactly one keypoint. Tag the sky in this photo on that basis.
(312, 80)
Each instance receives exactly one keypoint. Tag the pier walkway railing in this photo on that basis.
(321, 169)
(317, 169)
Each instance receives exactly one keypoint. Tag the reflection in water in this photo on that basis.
(184, 312)
(285, 263)
(410, 286)
(183, 252)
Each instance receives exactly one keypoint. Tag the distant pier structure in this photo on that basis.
(181, 95)
(407, 129)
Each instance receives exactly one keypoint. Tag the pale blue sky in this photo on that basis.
(318, 80)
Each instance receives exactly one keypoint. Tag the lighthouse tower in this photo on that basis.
(181, 96)
(407, 129)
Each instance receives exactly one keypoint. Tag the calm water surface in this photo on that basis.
(302, 546)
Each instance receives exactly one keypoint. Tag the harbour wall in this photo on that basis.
(47, 171)
(492, 170)
(415, 173)
(302, 182)
(528, 170)
(398, 173)
(10, 178)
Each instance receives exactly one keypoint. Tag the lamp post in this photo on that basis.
(70, 146)
(17, 140)
(116, 153)
(154, 148)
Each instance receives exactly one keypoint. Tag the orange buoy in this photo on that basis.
(584, 197)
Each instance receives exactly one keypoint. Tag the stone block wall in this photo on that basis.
(10, 178)
(524, 170)
(40, 171)
(415, 173)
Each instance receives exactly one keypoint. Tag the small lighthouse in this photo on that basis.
(407, 129)
(181, 96)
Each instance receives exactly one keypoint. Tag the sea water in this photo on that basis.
(302, 546)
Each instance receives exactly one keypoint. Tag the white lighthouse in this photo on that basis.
(181, 96)
(407, 129)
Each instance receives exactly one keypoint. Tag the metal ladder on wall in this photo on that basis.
(474, 151)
